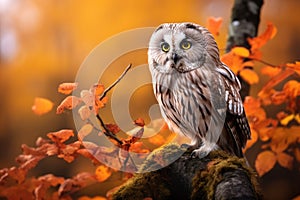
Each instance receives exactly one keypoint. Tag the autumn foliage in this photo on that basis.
(278, 130)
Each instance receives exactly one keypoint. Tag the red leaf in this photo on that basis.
(139, 122)
(113, 128)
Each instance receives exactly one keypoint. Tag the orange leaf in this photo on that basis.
(157, 140)
(84, 112)
(139, 122)
(41, 106)
(280, 140)
(67, 88)
(97, 89)
(259, 41)
(292, 88)
(214, 25)
(264, 162)
(278, 98)
(103, 173)
(270, 71)
(233, 61)
(285, 160)
(241, 51)
(61, 136)
(69, 103)
(295, 67)
(249, 76)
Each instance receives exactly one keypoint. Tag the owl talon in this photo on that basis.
(185, 146)
(198, 153)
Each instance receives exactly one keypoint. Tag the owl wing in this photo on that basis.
(236, 130)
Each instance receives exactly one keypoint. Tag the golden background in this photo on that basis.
(44, 42)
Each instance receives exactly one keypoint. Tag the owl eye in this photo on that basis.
(184, 44)
(165, 47)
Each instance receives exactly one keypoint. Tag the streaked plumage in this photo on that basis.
(198, 95)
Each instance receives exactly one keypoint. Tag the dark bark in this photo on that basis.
(245, 19)
(218, 176)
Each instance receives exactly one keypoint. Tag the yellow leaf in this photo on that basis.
(41, 106)
(249, 76)
(241, 51)
(103, 173)
(287, 119)
(264, 162)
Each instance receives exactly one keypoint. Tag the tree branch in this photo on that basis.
(107, 132)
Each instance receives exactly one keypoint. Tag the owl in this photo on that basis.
(198, 95)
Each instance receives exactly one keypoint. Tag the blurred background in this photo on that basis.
(43, 43)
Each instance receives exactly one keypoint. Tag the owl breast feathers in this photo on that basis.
(198, 95)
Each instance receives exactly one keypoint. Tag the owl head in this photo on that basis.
(181, 47)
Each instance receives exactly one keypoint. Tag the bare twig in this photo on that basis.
(107, 132)
(116, 82)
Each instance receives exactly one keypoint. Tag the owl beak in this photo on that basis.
(175, 58)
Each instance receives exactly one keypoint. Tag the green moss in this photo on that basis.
(164, 184)
(205, 182)
(152, 183)
(162, 156)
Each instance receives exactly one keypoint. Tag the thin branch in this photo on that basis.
(116, 82)
(107, 132)
(265, 63)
